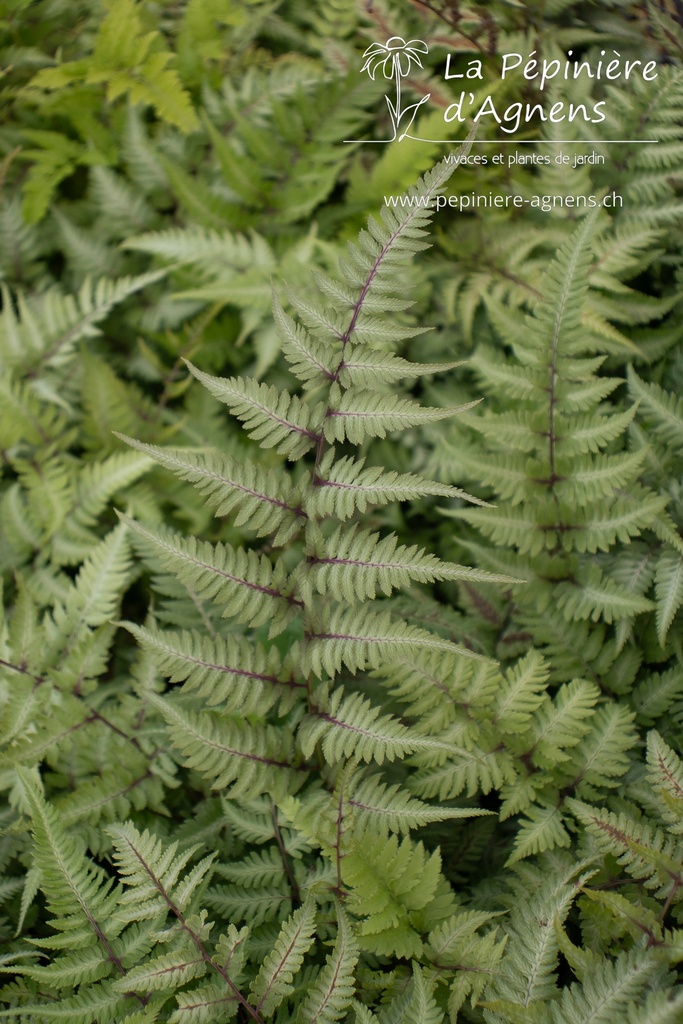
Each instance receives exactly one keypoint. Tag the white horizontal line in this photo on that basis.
(546, 142)
(516, 142)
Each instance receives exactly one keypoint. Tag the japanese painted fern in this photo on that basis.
(271, 704)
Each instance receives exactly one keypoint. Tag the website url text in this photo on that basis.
(475, 200)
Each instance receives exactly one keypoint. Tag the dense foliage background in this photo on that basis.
(362, 710)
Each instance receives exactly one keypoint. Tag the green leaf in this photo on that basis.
(250, 759)
(263, 499)
(663, 410)
(365, 413)
(246, 584)
(668, 590)
(666, 777)
(542, 829)
(345, 485)
(608, 991)
(274, 982)
(361, 639)
(78, 892)
(274, 418)
(350, 726)
(129, 62)
(353, 564)
(522, 693)
(331, 993)
(164, 973)
(232, 672)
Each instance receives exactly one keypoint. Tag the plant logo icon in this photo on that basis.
(395, 58)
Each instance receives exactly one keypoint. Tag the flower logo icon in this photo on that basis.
(395, 58)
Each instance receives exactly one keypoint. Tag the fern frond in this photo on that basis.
(49, 490)
(234, 755)
(521, 694)
(345, 485)
(392, 241)
(656, 694)
(613, 986)
(647, 853)
(638, 918)
(330, 994)
(69, 970)
(99, 1003)
(153, 874)
(311, 361)
(24, 416)
(544, 896)
(423, 1007)
(124, 208)
(599, 478)
(46, 331)
(471, 769)
(666, 777)
(354, 564)
(343, 298)
(360, 638)
(212, 249)
(79, 894)
(99, 481)
(623, 519)
(321, 322)
(377, 331)
(22, 244)
(258, 906)
(274, 418)
(274, 981)
(114, 797)
(658, 1008)
(663, 411)
(89, 494)
(253, 822)
(668, 590)
(455, 943)
(86, 251)
(239, 675)
(206, 1004)
(378, 806)
(260, 867)
(247, 584)
(126, 59)
(203, 205)
(264, 499)
(519, 382)
(93, 598)
(110, 403)
(363, 414)
(665, 528)
(602, 756)
(367, 369)
(542, 829)
(350, 726)
(438, 682)
(389, 880)
(165, 973)
(599, 596)
(563, 722)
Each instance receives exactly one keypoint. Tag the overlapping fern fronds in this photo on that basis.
(264, 684)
